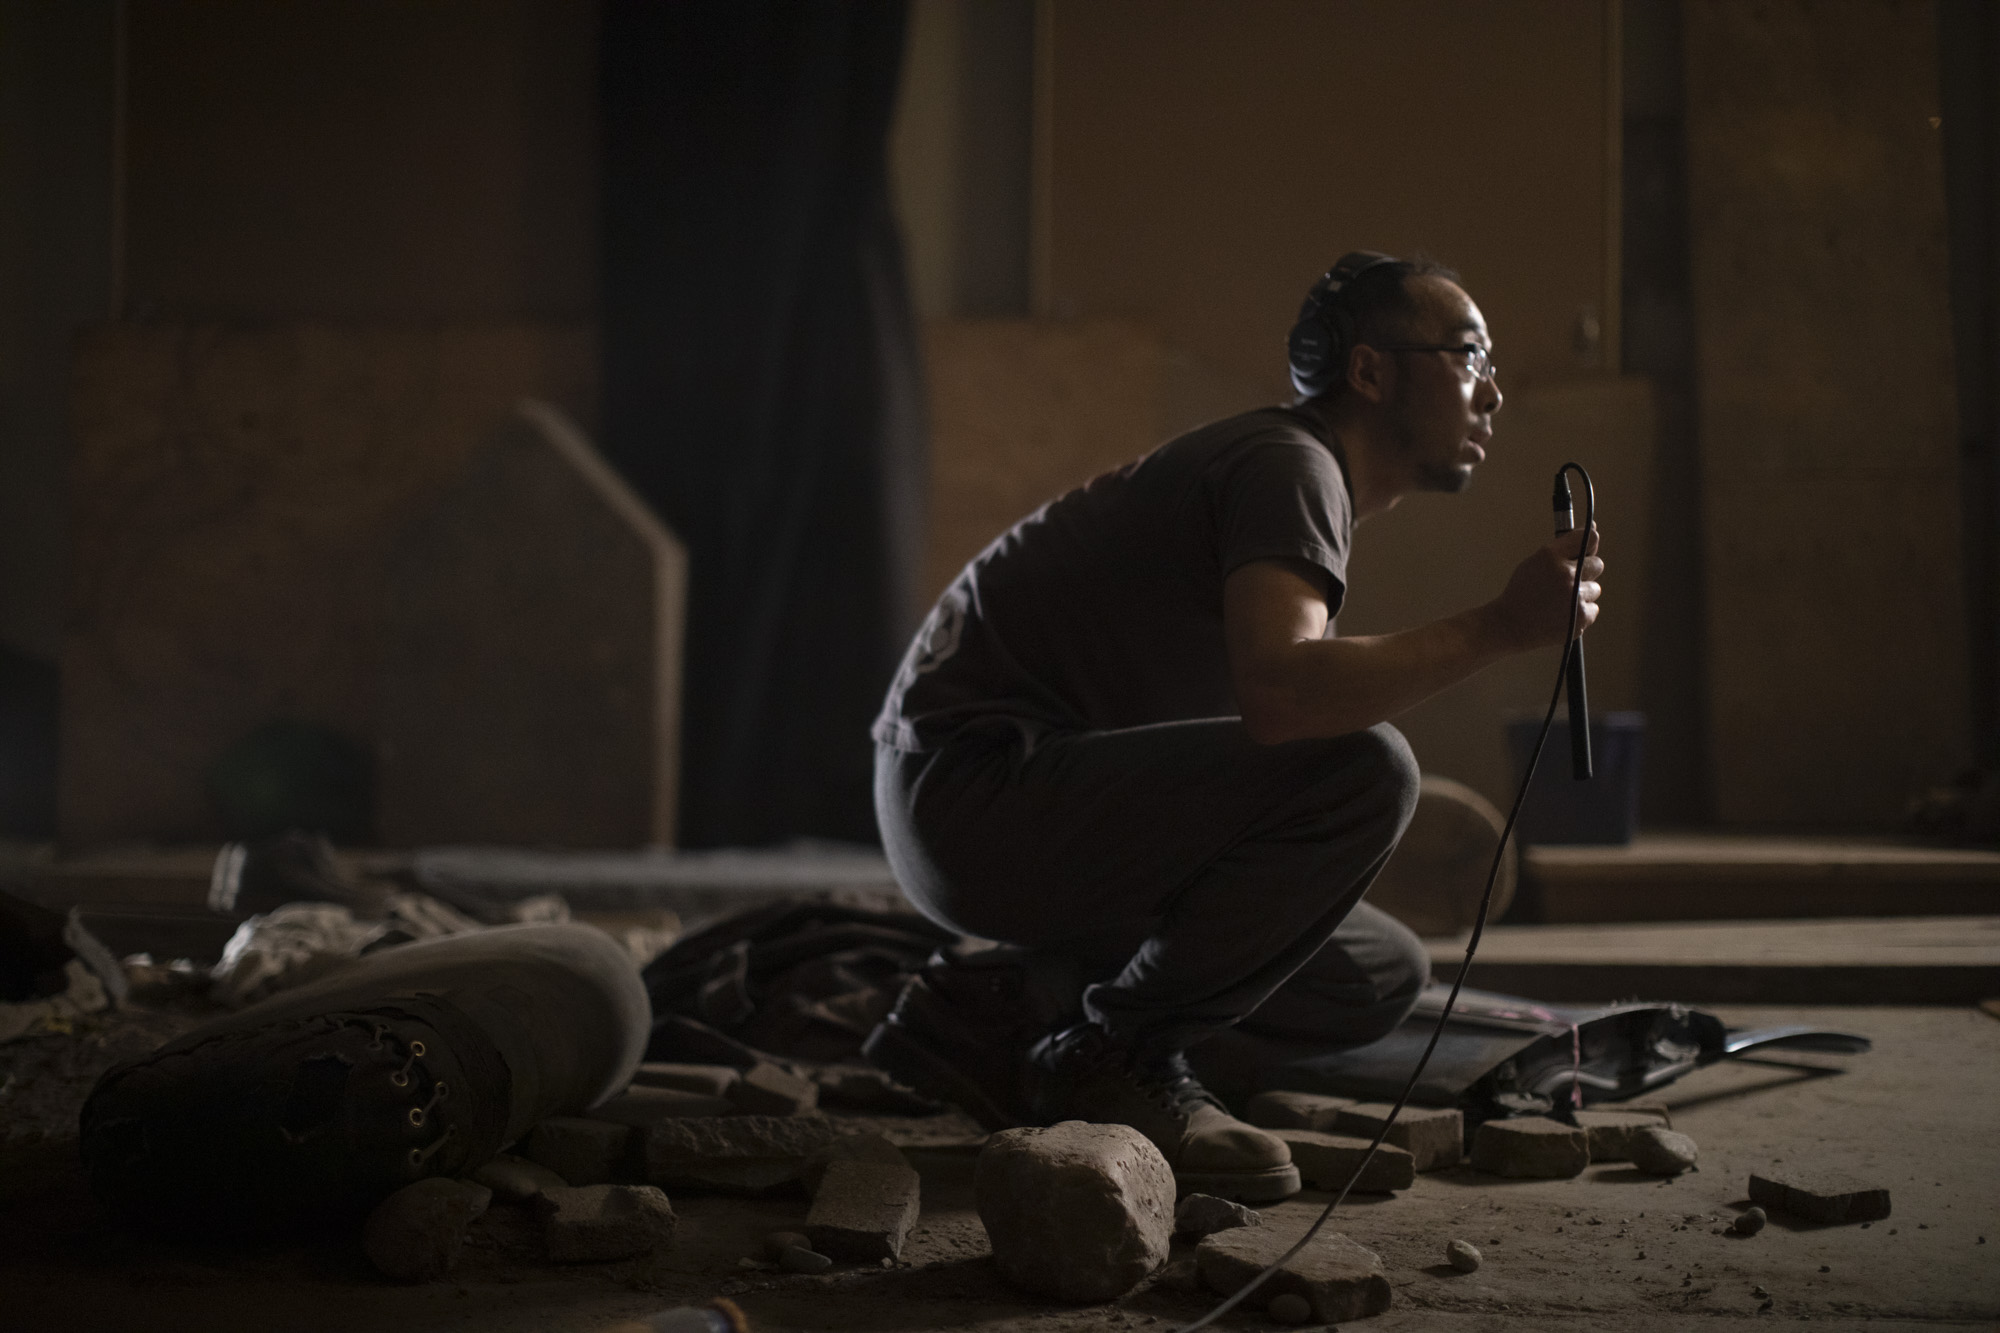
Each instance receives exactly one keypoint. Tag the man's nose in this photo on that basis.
(1487, 397)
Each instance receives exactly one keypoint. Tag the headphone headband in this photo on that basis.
(1324, 331)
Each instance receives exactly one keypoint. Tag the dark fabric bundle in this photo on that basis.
(803, 981)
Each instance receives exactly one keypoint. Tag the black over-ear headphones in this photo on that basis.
(1324, 333)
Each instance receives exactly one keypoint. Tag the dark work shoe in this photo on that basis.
(1082, 1074)
(960, 1033)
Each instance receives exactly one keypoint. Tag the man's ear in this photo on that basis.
(1367, 373)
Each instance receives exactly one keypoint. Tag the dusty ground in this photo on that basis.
(1611, 1250)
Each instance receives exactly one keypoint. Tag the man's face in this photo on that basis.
(1440, 416)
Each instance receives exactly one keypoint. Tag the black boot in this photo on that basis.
(960, 1033)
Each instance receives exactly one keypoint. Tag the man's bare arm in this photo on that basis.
(1292, 684)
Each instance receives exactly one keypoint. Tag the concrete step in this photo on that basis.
(1877, 960)
(1715, 877)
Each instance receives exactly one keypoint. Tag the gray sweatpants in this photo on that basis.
(1189, 878)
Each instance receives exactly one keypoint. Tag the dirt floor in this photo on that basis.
(1611, 1250)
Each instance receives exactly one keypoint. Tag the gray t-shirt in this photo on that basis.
(1103, 609)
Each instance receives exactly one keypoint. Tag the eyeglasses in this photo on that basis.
(1472, 356)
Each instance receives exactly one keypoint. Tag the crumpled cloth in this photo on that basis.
(299, 942)
(85, 994)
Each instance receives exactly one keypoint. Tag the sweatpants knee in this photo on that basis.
(1390, 776)
(1401, 972)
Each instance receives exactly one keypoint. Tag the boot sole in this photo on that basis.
(1266, 1186)
(894, 1049)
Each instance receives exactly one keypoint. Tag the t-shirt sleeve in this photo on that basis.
(1284, 498)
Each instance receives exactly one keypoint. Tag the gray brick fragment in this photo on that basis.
(1532, 1147)
(581, 1151)
(710, 1080)
(1611, 1132)
(766, 1089)
(1295, 1110)
(639, 1107)
(1338, 1278)
(863, 1210)
(600, 1223)
(742, 1154)
(1819, 1195)
(1325, 1161)
(1433, 1135)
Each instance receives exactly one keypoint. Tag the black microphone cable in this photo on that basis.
(1570, 649)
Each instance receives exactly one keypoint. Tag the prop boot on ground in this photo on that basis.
(961, 1031)
(1082, 1074)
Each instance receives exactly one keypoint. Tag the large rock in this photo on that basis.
(416, 1233)
(863, 1210)
(742, 1154)
(1076, 1211)
(599, 1223)
(1338, 1278)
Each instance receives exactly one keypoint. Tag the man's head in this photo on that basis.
(1409, 376)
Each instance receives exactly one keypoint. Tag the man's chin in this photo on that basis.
(1449, 480)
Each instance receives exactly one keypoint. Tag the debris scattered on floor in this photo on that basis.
(1612, 1131)
(1295, 1110)
(1530, 1147)
(863, 1210)
(1463, 1255)
(1327, 1161)
(1819, 1194)
(581, 1151)
(1076, 1211)
(1288, 1307)
(1750, 1221)
(600, 1223)
(1198, 1215)
(1663, 1152)
(1434, 1136)
(516, 1179)
(416, 1233)
(1340, 1279)
(741, 1154)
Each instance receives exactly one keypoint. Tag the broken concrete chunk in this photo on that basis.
(1076, 1211)
(1338, 1278)
(582, 1152)
(1463, 1255)
(1295, 1110)
(416, 1233)
(517, 1179)
(768, 1090)
(1288, 1307)
(850, 1147)
(863, 1210)
(1433, 1135)
(1611, 1132)
(1663, 1152)
(862, 1088)
(599, 1223)
(1532, 1147)
(639, 1107)
(778, 1242)
(799, 1259)
(1819, 1195)
(1325, 1161)
(709, 1080)
(739, 1154)
(1203, 1215)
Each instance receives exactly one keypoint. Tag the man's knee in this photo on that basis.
(1401, 968)
(1388, 776)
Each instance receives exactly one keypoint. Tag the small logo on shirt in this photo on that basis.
(938, 639)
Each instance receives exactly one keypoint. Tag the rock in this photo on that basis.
(1203, 1215)
(1750, 1221)
(1289, 1307)
(1611, 1132)
(1530, 1146)
(1181, 1275)
(639, 1107)
(778, 1242)
(709, 1080)
(1325, 1161)
(1338, 1278)
(517, 1179)
(799, 1259)
(1819, 1195)
(766, 1089)
(850, 1147)
(863, 1210)
(739, 1154)
(599, 1223)
(416, 1233)
(1662, 1152)
(1295, 1110)
(582, 1152)
(1433, 1135)
(1463, 1255)
(1075, 1211)
(862, 1088)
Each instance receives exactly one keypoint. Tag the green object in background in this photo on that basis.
(285, 775)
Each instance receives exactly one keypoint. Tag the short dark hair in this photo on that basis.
(1379, 303)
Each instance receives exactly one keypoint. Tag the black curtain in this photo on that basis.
(761, 386)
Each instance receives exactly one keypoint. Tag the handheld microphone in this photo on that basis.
(1579, 700)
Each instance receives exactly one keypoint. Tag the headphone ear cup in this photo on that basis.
(1310, 349)
(1317, 347)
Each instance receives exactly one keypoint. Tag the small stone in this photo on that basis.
(1826, 1268)
(850, 1147)
(1434, 1136)
(766, 1089)
(1611, 1132)
(639, 1107)
(863, 1210)
(799, 1259)
(778, 1242)
(1075, 1211)
(416, 1233)
(1759, 1291)
(582, 1152)
(1288, 1307)
(599, 1223)
(1338, 1278)
(1750, 1221)
(516, 1179)
(709, 1080)
(1463, 1255)
(1295, 1110)
(1181, 1275)
(1325, 1161)
(1819, 1195)
(1532, 1147)
(1200, 1215)
(738, 1154)
(1663, 1152)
